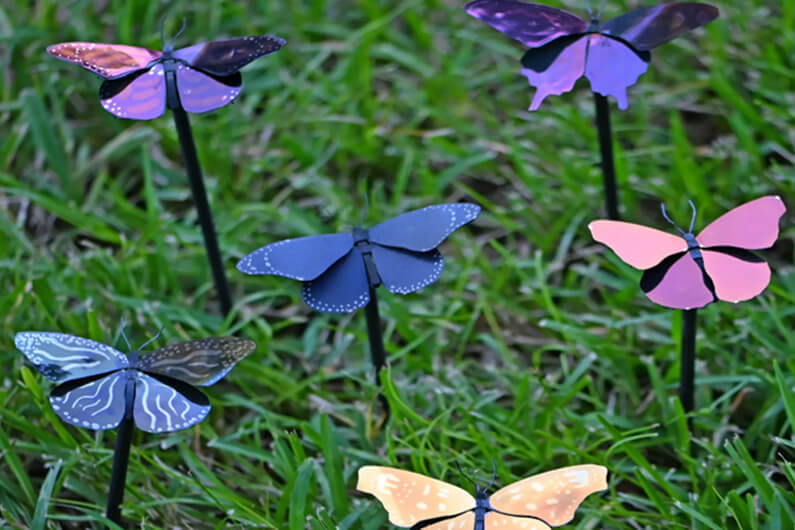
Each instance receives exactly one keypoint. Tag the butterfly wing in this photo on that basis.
(425, 229)
(200, 362)
(410, 498)
(640, 246)
(552, 496)
(139, 96)
(343, 288)
(501, 521)
(612, 67)
(404, 271)
(737, 275)
(60, 357)
(648, 27)
(531, 24)
(677, 282)
(228, 56)
(554, 68)
(465, 521)
(164, 405)
(200, 92)
(753, 225)
(98, 404)
(107, 60)
(302, 259)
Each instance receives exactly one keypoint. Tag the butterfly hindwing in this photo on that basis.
(343, 288)
(753, 225)
(62, 357)
(678, 282)
(139, 96)
(737, 275)
(552, 496)
(97, 403)
(165, 405)
(425, 229)
(612, 67)
(404, 271)
(107, 60)
(200, 362)
(465, 521)
(228, 56)
(649, 27)
(501, 521)
(640, 246)
(410, 498)
(555, 68)
(303, 259)
(531, 24)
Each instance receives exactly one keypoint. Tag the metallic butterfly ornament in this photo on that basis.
(564, 47)
(689, 271)
(338, 270)
(140, 83)
(98, 386)
(535, 503)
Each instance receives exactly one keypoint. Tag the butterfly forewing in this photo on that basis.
(640, 246)
(425, 229)
(97, 404)
(62, 357)
(410, 498)
(404, 271)
(107, 60)
(648, 27)
(343, 288)
(552, 496)
(302, 259)
(753, 225)
(531, 24)
(225, 57)
(167, 405)
(199, 362)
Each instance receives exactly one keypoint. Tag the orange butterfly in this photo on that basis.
(536, 503)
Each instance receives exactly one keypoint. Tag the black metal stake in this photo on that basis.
(376, 339)
(608, 162)
(121, 457)
(688, 360)
(202, 207)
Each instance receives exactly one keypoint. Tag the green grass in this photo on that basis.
(535, 349)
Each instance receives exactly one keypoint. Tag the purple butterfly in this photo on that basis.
(564, 47)
(139, 82)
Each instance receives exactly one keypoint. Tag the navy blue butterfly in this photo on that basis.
(98, 386)
(338, 270)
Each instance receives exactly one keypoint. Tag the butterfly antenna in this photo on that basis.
(124, 336)
(467, 476)
(150, 341)
(493, 474)
(366, 207)
(665, 214)
(589, 8)
(181, 29)
(601, 9)
(163, 31)
(692, 219)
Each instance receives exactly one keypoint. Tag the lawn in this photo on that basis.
(535, 350)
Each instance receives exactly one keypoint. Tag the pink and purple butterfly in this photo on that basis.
(140, 83)
(98, 386)
(690, 271)
(564, 47)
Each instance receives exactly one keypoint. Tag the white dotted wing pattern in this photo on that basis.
(302, 259)
(139, 96)
(96, 405)
(61, 357)
(343, 288)
(404, 271)
(227, 56)
(425, 229)
(200, 362)
(410, 498)
(199, 92)
(169, 407)
(552, 496)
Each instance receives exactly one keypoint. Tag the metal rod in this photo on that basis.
(608, 162)
(121, 457)
(688, 360)
(376, 339)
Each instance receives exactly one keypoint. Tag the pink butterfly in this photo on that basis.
(689, 271)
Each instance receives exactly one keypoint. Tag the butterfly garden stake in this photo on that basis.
(100, 388)
(535, 503)
(613, 55)
(689, 271)
(140, 83)
(342, 271)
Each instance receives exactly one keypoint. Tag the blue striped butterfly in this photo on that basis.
(98, 386)
(339, 270)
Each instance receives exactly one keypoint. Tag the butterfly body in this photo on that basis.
(564, 47)
(691, 271)
(339, 270)
(141, 83)
(99, 387)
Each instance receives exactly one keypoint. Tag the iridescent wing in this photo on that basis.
(753, 225)
(612, 67)
(404, 271)
(200, 92)
(640, 246)
(554, 68)
(302, 259)
(410, 498)
(648, 27)
(200, 362)
(166, 405)
(501, 521)
(553, 496)
(343, 288)
(531, 24)
(736, 274)
(139, 96)
(96, 404)
(228, 56)
(107, 60)
(677, 282)
(425, 229)
(60, 357)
